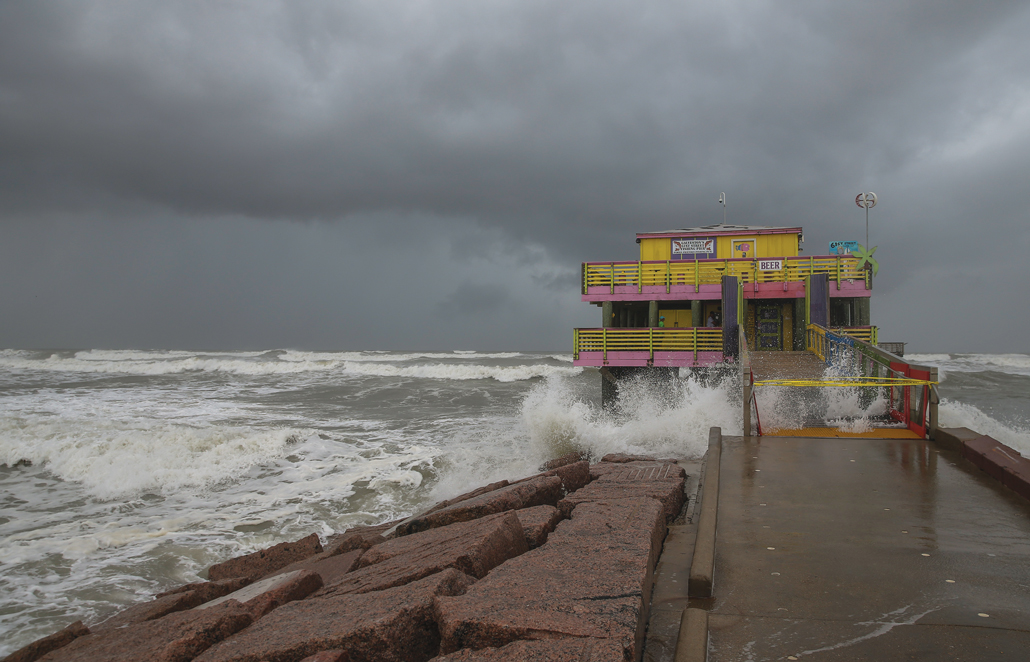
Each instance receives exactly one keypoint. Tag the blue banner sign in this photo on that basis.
(843, 247)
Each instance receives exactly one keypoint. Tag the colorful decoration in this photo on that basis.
(866, 257)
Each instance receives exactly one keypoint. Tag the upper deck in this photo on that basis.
(779, 277)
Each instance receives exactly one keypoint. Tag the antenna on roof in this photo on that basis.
(722, 201)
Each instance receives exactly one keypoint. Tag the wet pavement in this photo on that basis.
(851, 549)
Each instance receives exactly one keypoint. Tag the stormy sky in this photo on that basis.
(430, 174)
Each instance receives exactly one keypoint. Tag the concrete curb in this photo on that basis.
(702, 567)
(692, 645)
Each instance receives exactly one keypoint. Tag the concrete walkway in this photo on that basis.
(854, 549)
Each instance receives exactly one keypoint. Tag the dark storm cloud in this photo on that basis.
(556, 128)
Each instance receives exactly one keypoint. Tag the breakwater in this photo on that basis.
(556, 566)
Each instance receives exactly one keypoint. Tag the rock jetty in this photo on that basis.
(558, 566)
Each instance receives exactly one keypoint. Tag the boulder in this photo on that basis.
(472, 547)
(395, 624)
(328, 656)
(537, 522)
(573, 476)
(151, 610)
(569, 458)
(177, 637)
(479, 491)
(535, 492)
(209, 590)
(52, 642)
(590, 580)
(661, 481)
(260, 564)
(623, 458)
(553, 650)
(263, 596)
(354, 539)
(329, 567)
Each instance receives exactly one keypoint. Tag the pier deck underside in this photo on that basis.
(845, 549)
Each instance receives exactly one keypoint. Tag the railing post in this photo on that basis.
(932, 399)
(697, 277)
(612, 267)
(695, 344)
(640, 276)
(604, 344)
(668, 276)
(650, 342)
(838, 273)
(575, 344)
(583, 275)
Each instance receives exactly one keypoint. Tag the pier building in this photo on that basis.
(679, 305)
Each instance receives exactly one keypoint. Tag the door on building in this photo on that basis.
(744, 248)
(769, 326)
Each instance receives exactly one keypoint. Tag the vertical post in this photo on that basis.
(668, 276)
(652, 313)
(650, 342)
(607, 313)
(640, 276)
(730, 321)
(575, 344)
(838, 273)
(583, 276)
(604, 344)
(745, 380)
(695, 344)
(933, 401)
(696, 312)
(612, 268)
(697, 277)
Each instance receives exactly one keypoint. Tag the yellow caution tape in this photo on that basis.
(847, 381)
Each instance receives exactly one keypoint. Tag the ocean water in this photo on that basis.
(124, 473)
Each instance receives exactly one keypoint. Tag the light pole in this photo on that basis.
(866, 201)
(722, 200)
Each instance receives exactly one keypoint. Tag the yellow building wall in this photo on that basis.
(769, 245)
(656, 249)
(676, 319)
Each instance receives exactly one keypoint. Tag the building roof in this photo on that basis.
(721, 228)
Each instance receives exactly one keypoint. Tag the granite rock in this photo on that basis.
(177, 637)
(472, 547)
(151, 610)
(534, 492)
(263, 596)
(209, 590)
(479, 491)
(552, 650)
(330, 567)
(591, 579)
(52, 642)
(392, 625)
(623, 458)
(661, 481)
(569, 458)
(538, 522)
(328, 656)
(260, 564)
(354, 539)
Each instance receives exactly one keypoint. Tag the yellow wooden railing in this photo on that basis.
(710, 272)
(649, 340)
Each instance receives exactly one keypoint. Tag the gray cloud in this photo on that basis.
(185, 159)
